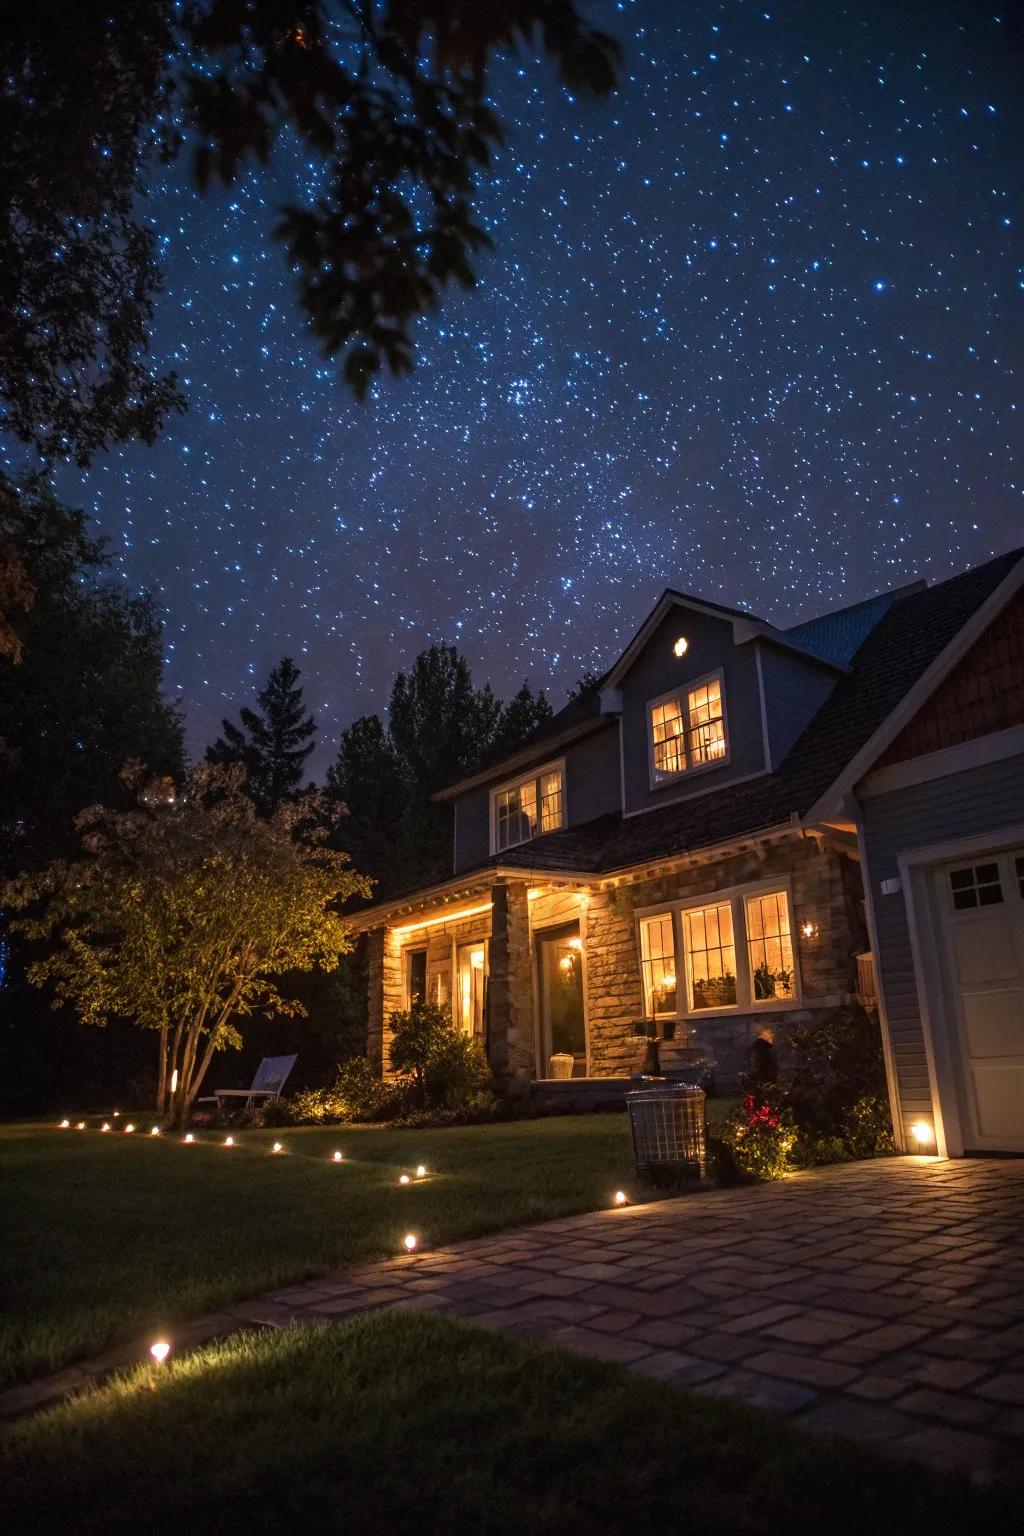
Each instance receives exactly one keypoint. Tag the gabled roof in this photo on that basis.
(919, 630)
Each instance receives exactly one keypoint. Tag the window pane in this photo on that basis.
(551, 801)
(658, 965)
(472, 968)
(770, 946)
(976, 885)
(516, 819)
(667, 737)
(706, 730)
(711, 955)
(416, 976)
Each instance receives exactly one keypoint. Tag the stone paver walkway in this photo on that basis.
(881, 1299)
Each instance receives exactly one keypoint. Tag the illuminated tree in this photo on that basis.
(182, 914)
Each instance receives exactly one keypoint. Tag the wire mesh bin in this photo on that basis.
(561, 1064)
(668, 1129)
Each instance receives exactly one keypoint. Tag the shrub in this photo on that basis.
(447, 1068)
(358, 1093)
(836, 1089)
(761, 1137)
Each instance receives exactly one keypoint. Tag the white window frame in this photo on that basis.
(535, 775)
(735, 896)
(659, 778)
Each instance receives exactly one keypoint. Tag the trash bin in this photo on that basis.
(561, 1064)
(668, 1129)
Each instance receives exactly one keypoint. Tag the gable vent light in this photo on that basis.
(681, 646)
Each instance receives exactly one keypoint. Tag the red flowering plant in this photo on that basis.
(761, 1135)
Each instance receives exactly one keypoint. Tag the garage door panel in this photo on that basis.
(984, 951)
(994, 1023)
(998, 1094)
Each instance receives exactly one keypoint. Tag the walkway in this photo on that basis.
(881, 1299)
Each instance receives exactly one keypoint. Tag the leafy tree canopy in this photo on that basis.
(182, 912)
(273, 745)
(440, 728)
(389, 96)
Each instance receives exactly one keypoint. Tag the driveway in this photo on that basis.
(880, 1299)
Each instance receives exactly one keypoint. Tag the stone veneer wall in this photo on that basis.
(510, 1032)
(826, 891)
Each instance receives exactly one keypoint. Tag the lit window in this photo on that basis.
(710, 956)
(688, 730)
(472, 970)
(415, 976)
(658, 963)
(526, 809)
(769, 946)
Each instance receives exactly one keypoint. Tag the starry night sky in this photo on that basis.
(754, 329)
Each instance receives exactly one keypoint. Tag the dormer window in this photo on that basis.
(528, 807)
(687, 729)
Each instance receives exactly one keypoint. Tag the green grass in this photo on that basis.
(408, 1423)
(108, 1237)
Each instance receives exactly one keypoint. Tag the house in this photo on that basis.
(937, 795)
(679, 844)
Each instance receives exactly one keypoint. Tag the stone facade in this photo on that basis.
(827, 902)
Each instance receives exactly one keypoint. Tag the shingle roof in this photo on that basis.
(909, 637)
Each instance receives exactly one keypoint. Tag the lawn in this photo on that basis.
(110, 1236)
(409, 1423)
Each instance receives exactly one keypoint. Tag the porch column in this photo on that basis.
(510, 984)
(384, 993)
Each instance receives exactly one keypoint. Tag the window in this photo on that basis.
(415, 976)
(737, 952)
(658, 964)
(710, 956)
(769, 946)
(528, 808)
(688, 730)
(471, 964)
(978, 885)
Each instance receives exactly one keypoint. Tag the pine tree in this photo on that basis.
(272, 745)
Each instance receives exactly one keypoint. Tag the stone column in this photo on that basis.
(384, 992)
(510, 982)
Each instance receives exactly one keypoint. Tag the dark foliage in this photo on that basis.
(272, 745)
(439, 729)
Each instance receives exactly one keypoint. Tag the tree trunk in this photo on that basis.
(161, 1083)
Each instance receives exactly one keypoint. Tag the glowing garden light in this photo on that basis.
(621, 1198)
(65, 1125)
(105, 1126)
(277, 1147)
(129, 1128)
(155, 1131)
(404, 1179)
(80, 1126)
(922, 1133)
(410, 1242)
(117, 1114)
(421, 1172)
(338, 1158)
(160, 1350)
(189, 1139)
(229, 1141)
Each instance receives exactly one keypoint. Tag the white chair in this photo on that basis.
(271, 1076)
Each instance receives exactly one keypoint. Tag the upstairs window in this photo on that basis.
(528, 808)
(687, 729)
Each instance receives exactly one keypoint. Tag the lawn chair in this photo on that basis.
(271, 1076)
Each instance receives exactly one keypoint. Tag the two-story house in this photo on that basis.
(664, 847)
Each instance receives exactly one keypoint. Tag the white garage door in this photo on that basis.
(983, 905)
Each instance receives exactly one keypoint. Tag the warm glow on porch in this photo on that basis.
(445, 917)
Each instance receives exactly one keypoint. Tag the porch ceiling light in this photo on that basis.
(446, 917)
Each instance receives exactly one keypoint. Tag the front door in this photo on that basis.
(563, 1030)
(982, 900)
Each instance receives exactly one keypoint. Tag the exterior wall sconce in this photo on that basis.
(809, 931)
(923, 1135)
(681, 646)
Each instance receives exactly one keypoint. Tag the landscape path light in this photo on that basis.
(80, 1126)
(160, 1350)
(404, 1179)
(338, 1158)
(277, 1147)
(421, 1172)
(129, 1128)
(155, 1131)
(410, 1242)
(621, 1198)
(105, 1126)
(229, 1141)
(189, 1139)
(65, 1125)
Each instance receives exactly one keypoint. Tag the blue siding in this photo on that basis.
(972, 803)
(656, 671)
(794, 691)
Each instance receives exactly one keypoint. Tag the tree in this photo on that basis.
(86, 696)
(389, 97)
(181, 913)
(440, 729)
(271, 746)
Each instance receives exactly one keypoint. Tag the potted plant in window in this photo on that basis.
(715, 991)
(769, 983)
